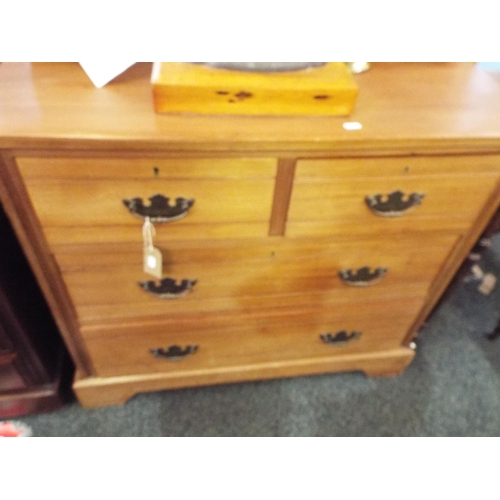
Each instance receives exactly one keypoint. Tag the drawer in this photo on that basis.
(128, 350)
(382, 195)
(105, 285)
(406, 166)
(105, 201)
(145, 168)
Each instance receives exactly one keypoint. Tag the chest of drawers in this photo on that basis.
(290, 245)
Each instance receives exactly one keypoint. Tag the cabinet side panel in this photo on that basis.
(18, 208)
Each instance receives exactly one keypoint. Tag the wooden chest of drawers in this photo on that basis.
(291, 246)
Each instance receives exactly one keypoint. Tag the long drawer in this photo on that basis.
(160, 348)
(109, 284)
(197, 198)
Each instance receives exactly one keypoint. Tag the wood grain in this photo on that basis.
(187, 88)
(381, 330)
(344, 199)
(93, 203)
(406, 167)
(282, 194)
(181, 230)
(236, 313)
(279, 209)
(56, 105)
(234, 250)
(144, 168)
(221, 284)
(457, 256)
(103, 391)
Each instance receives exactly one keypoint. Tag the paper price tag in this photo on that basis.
(153, 262)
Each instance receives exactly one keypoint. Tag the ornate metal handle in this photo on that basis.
(363, 276)
(340, 338)
(395, 203)
(168, 288)
(159, 209)
(174, 352)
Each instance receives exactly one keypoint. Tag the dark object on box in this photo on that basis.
(264, 67)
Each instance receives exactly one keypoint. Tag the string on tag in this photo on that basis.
(148, 232)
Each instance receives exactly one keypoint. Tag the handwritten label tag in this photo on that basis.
(153, 262)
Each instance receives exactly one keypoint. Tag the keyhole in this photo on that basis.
(407, 170)
(156, 171)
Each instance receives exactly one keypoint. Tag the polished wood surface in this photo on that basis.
(282, 193)
(402, 167)
(101, 204)
(431, 106)
(156, 168)
(252, 311)
(104, 391)
(380, 329)
(230, 195)
(104, 285)
(280, 209)
(334, 249)
(344, 199)
(181, 230)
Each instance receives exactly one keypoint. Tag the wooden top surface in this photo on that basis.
(446, 106)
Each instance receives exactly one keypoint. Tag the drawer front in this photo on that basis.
(144, 168)
(68, 198)
(390, 195)
(110, 285)
(406, 167)
(163, 349)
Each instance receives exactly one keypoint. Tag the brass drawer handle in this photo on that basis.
(174, 352)
(362, 276)
(395, 204)
(159, 210)
(168, 288)
(340, 338)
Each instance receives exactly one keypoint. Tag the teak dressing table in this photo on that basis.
(297, 247)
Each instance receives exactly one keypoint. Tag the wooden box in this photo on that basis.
(191, 88)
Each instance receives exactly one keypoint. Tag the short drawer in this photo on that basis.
(111, 285)
(107, 201)
(387, 195)
(399, 166)
(161, 348)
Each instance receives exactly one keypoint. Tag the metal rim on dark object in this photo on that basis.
(263, 67)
